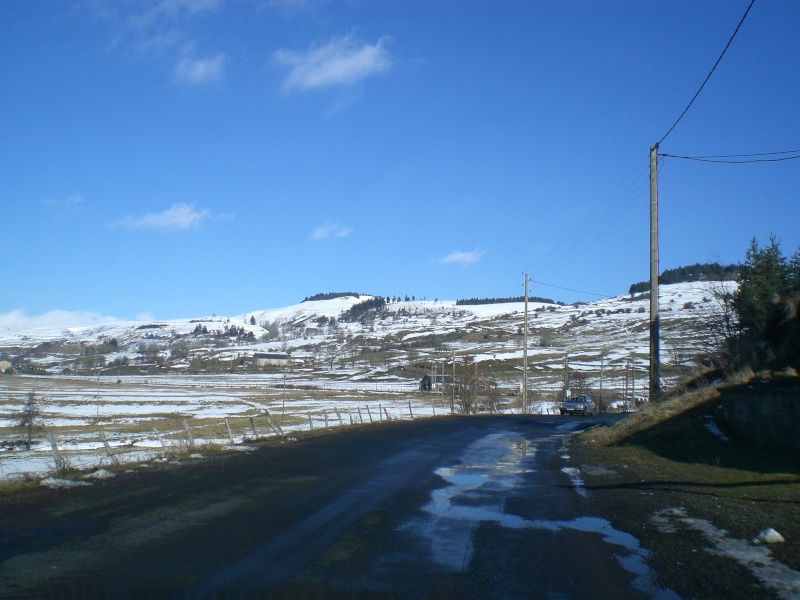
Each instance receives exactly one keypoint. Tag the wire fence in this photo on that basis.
(63, 450)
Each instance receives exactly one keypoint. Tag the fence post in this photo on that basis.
(386, 410)
(310, 422)
(253, 423)
(338, 414)
(410, 412)
(57, 456)
(325, 414)
(160, 439)
(189, 438)
(111, 455)
(433, 406)
(272, 423)
(230, 432)
(349, 414)
(369, 412)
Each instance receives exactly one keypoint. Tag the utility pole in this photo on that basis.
(655, 361)
(566, 377)
(453, 399)
(633, 378)
(602, 360)
(627, 389)
(525, 352)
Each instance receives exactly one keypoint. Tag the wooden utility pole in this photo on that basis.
(655, 361)
(602, 360)
(525, 352)
(453, 387)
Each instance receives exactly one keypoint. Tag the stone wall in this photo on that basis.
(766, 416)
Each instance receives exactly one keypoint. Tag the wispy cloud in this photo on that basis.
(330, 230)
(200, 70)
(462, 258)
(18, 320)
(177, 217)
(341, 61)
(294, 5)
(71, 203)
(164, 30)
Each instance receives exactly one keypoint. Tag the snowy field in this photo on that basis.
(350, 372)
(142, 418)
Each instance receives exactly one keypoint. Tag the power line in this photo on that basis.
(739, 155)
(740, 158)
(570, 289)
(697, 93)
(595, 222)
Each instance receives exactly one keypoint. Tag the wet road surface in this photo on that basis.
(481, 507)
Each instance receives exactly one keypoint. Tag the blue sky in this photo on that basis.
(176, 158)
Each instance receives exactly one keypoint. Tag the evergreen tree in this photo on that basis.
(763, 280)
(793, 271)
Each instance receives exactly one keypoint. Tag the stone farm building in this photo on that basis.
(270, 360)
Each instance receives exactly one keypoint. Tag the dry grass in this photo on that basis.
(651, 414)
(13, 486)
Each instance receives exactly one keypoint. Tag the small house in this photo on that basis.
(270, 359)
(435, 383)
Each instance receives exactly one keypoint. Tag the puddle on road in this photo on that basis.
(576, 480)
(476, 492)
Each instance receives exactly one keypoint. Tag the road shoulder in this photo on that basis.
(698, 520)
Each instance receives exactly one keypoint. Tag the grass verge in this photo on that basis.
(679, 454)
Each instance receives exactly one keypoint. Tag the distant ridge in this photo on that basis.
(331, 296)
(695, 272)
(478, 301)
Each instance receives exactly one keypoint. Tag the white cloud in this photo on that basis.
(341, 61)
(71, 203)
(330, 230)
(294, 5)
(176, 217)
(200, 70)
(462, 258)
(163, 30)
(147, 16)
(18, 320)
(175, 7)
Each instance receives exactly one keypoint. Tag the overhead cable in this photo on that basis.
(697, 93)
(741, 158)
(570, 289)
(595, 222)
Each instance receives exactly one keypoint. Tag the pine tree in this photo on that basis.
(763, 280)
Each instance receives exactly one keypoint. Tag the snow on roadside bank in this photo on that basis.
(755, 557)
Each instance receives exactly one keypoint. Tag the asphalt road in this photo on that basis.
(464, 507)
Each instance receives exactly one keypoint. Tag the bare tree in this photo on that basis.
(722, 324)
(30, 418)
(465, 384)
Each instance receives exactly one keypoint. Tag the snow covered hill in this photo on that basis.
(607, 334)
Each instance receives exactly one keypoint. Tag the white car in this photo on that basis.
(578, 405)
